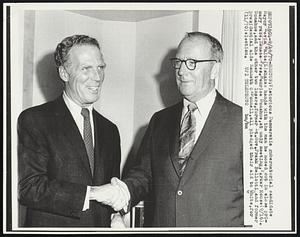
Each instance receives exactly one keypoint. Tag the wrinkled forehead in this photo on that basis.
(85, 52)
(196, 48)
(84, 47)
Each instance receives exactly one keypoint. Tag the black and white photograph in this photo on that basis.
(149, 118)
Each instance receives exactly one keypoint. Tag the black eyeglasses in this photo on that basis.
(189, 63)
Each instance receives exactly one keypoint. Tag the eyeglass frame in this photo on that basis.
(195, 61)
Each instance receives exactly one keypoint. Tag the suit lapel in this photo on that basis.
(174, 130)
(99, 139)
(70, 131)
(214, 123)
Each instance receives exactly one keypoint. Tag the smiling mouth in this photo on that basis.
(94, 89)
(186, 81)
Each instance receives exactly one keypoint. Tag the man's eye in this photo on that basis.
(101, 67)
(191, 62)
(84, 69)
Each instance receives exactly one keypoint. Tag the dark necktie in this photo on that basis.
(187, 137)
(87, 137)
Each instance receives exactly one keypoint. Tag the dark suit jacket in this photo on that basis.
(210, 192)
(54, 168)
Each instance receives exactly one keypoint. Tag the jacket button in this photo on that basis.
(179, 192)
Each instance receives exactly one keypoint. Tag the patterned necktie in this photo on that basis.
(87, 137)
(187, 137)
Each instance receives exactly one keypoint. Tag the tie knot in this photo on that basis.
(85, 113)
(192, 107)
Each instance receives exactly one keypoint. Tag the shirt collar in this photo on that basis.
(203, 105)
(73, 106)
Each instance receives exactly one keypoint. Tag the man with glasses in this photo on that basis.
(190, 158)
(66, 149)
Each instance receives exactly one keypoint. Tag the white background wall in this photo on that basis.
(210, 21)
(155, 86)
(157, 40)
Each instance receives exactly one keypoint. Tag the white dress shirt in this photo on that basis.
(201, 113)
(75, 110)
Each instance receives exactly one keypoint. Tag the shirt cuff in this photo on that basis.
(86, 204)
(117, 221)
(127, 207)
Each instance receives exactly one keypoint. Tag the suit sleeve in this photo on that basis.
(36, 189)
(117, 155)
(139, 177)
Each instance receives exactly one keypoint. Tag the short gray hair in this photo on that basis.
(216, 47)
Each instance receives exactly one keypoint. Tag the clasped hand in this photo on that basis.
(114, 194)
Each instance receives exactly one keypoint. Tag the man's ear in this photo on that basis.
(215, 71)
(63, 74)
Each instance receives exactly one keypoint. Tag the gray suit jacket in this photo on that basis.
(210, 192)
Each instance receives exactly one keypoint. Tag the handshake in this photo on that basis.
(114, 194)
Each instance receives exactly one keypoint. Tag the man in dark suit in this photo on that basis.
(190, 158)
(66, 149)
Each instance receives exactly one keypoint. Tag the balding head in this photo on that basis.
(216, 49)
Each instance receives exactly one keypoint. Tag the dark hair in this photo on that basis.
(62, 50)
(216, 47)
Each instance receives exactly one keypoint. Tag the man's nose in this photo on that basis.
(182, 69)
(98, 75)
